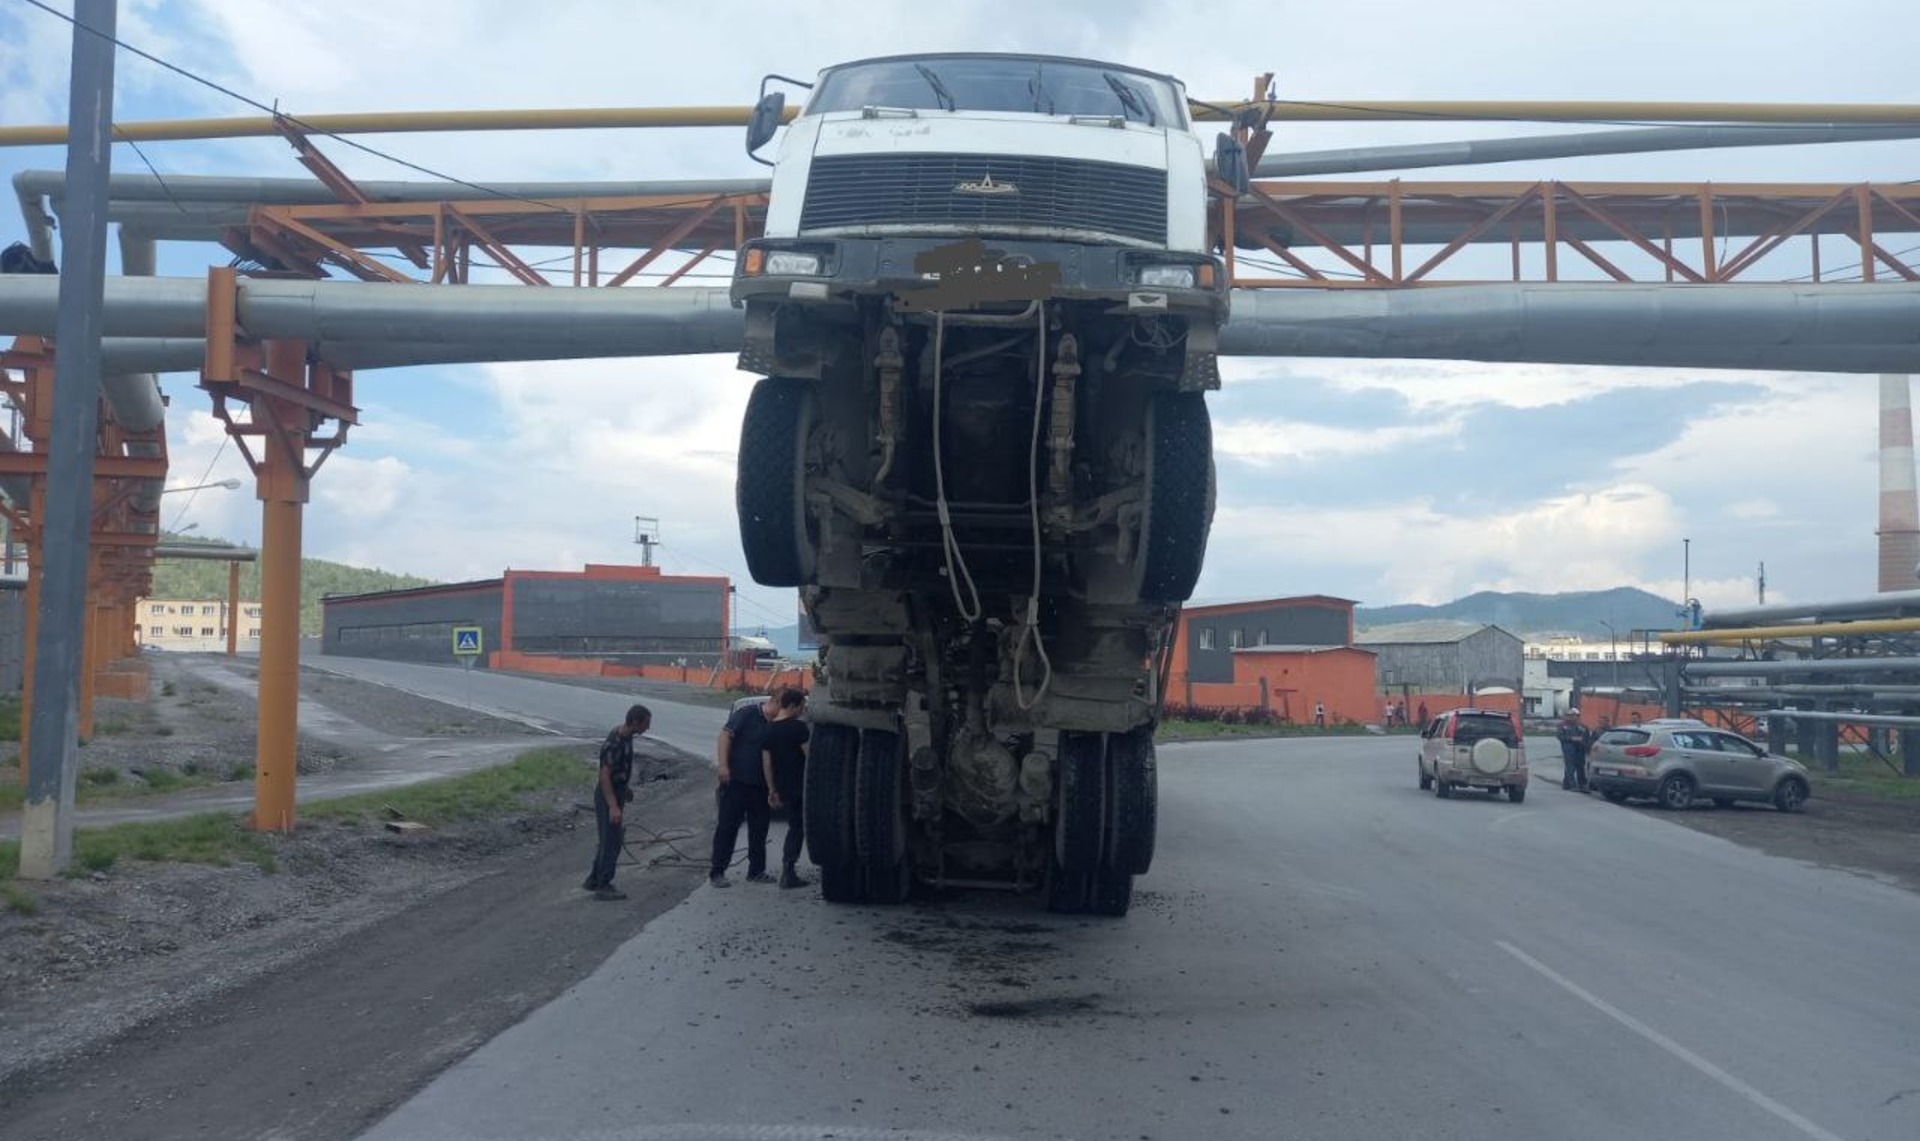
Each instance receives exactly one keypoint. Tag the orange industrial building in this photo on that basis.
(1285, 655)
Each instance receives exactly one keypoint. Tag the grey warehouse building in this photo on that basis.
(1445, 657)
(627, 614)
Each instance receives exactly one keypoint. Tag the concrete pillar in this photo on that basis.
(1828, 735)
(1910, 751)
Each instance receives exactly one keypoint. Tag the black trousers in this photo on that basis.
(796, 827)
(1576, 770)
(613, 839)
(740, 801)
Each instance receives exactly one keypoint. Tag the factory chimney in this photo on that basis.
(1899, 514)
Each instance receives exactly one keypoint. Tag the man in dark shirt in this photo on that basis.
(743, 791)
(1575, 740)
(783, 761)
(611, 792)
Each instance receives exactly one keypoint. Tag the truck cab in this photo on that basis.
(986, 316)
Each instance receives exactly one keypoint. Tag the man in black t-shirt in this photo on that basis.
(743, 791)
(783, 760)
(612, 789)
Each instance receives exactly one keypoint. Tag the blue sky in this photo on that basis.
(1384, 481)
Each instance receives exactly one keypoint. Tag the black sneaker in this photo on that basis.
(720, 881)
(608, 892)
(590, 884)
(791, 878)
(761, 877)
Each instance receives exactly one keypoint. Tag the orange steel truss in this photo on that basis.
(120, 557)
(1322, 235)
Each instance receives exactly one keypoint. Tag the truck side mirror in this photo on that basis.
(1230, 163)
(766, 119)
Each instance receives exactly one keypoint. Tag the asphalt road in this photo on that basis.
(1321, 952)
(555, 707)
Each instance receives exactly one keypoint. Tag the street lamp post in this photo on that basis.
(1613, 652)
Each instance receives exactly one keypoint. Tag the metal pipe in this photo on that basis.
(65, 510)
(1297, 111)
(208, 551)
(1804, 666)
(1889, 692)
(1888, 605)
(1858, 328)
(1890, 720)
(1806, 630)
(1635, 140)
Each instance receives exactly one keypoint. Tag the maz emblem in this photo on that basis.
(988, 188)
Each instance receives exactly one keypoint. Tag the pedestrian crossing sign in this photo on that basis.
(466, 641)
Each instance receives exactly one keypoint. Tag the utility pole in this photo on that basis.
(1763, 584)
(46, 825)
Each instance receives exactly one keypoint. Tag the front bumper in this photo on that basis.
(1067, 271)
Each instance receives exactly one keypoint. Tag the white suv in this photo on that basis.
(1473, 748)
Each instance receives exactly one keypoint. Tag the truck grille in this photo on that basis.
(924, 189)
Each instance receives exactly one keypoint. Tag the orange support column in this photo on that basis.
(287, 398)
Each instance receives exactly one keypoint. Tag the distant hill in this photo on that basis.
(196, 578)
(1577, 612)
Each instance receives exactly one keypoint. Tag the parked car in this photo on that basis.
(1675, 762)
(1474, 748)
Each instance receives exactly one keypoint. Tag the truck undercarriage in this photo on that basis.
(993, 513)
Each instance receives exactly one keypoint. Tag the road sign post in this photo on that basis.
(467, 643)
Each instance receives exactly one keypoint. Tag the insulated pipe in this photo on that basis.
(1288, 110)
(1805, 666)
(1889, 720)
(1807, 630)
(1872, 606)
(1815, 328)
(207, 552)
(1851, 328)
(1636, 140)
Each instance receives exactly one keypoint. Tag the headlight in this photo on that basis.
(1167, 276)
(791, 263)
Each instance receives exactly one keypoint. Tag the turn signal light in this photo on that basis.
(1643, 750)
(756, 261)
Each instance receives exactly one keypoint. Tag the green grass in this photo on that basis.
(10, 717)
(1861, 774)
(19, 899)
(472, 796)
(12, 796)
(209, 838)
(104, 784)
(1176, 730)
(99, 776)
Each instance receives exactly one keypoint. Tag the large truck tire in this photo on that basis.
(770, 491)
(1080, 804)
(1133, 791)
(1180, 495)
(880, 816)
(1110, 894)
(829, 795)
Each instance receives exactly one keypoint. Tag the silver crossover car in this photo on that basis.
(1675, 762)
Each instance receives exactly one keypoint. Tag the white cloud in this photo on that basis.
(1262, 442)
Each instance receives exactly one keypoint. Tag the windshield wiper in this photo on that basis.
(940, 91)
(1037, 88)
(1129, 98)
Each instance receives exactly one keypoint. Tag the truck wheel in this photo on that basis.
(828, 790)
(1066, 891)
(841, 884)
(880, 817)
(1180, 493)
(776, 535)
(1080, 803)
(1111, 894)
(1132, 802)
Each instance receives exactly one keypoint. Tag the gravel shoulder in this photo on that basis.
(306, 1004)
(1838, 830)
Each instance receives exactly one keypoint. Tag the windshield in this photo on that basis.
(985, 83)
